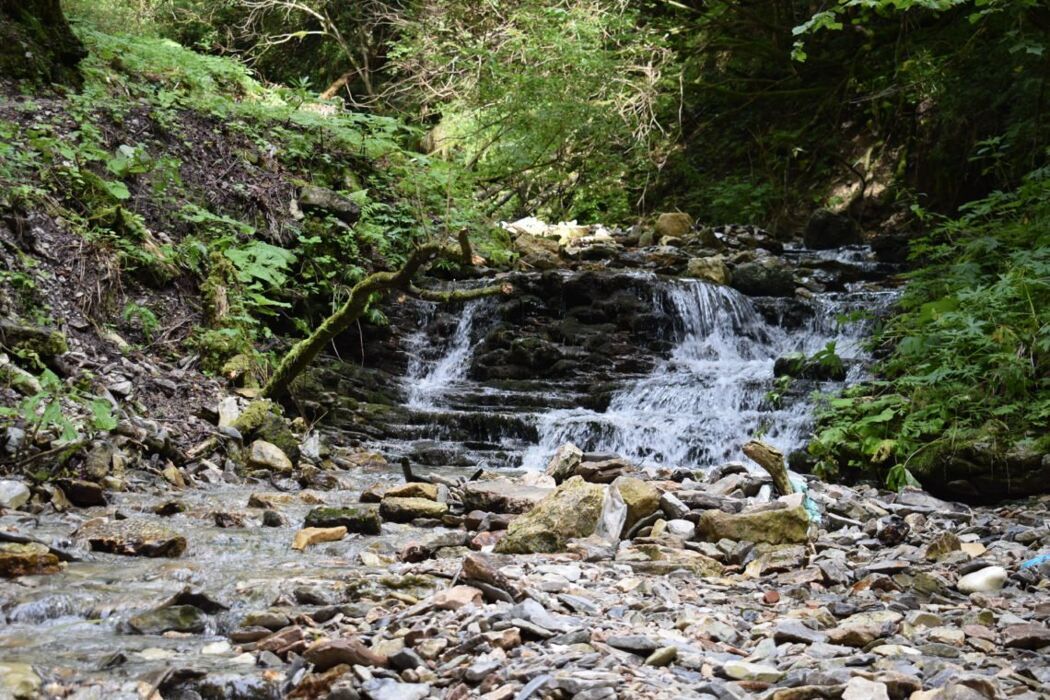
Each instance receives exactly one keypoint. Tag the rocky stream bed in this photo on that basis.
(544, 497)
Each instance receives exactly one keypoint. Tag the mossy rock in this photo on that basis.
(240, 370)
(174, 618)
(262, 420)
(37, 43)
(772, 525)
(572, 511)
(28, 340)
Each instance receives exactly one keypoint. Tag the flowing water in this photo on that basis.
(427, 382)
(694, 409)
(698, 406)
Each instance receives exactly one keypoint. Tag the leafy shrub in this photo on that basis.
(970, 358)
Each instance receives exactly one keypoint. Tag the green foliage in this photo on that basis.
(561, 110)
(60, 409)
(971, 346)
(142, 317)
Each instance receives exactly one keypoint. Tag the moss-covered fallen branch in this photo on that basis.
(363, 293)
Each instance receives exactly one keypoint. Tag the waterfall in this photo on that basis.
(701, 404)
(428, 381)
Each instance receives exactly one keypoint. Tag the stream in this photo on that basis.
(693, 408)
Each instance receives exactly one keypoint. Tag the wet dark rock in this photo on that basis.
(225, 519)
(82, 494)
(197, 599)
(169, 508)
(767, 277)
(826, 229)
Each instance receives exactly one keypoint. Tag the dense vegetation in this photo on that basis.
(437, 115)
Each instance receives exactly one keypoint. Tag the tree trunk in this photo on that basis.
(37, 43)
(380, 283)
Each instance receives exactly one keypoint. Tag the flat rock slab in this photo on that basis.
(405, 510)
(316, 535)
(133, 538)
(364, 520)
(502, 496)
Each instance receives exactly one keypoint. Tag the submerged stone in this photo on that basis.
(173, 618)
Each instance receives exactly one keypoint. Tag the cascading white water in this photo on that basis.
(709, 397)
(428, 381)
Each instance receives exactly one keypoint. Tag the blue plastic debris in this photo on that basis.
(812, 509)
(1036, 561)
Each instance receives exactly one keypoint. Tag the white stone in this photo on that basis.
(862, 689)
(270, 456)
(216, 649)
(229, 411)
(744, 671)
(681, 528)
(990, 578)
(895, 650)
(13, 494)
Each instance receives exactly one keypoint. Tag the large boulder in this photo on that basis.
(26, 559)
(572, 511)
(764, 278)
(673, 224)
(783, 525)
(641, 498)
(712, 269)
(826, 229)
